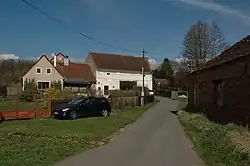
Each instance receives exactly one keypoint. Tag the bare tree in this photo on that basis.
(217, 40)
(202, 42)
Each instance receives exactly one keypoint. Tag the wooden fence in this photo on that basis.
(17, 109)
(37, 110)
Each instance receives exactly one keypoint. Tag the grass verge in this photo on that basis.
(214, 142)
(42, 142)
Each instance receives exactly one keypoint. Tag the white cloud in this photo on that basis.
(179, 60)
(4, 56)
(153, 63)
(212, 6)
(77, 60)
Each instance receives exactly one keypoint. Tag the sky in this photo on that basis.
(158, 26)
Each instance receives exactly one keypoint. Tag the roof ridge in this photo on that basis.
(78, 63)
(117, 54)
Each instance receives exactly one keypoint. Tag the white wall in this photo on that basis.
(113, 80)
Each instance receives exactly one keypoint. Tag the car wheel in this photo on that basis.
(104, 112)
(73, 115)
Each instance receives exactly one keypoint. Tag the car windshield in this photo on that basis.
(76, 101)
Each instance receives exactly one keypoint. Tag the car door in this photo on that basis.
(95, 106)
(84, 107)
(89, 107)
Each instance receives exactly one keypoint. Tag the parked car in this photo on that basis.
(83, 106)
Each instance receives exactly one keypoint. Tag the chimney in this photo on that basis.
(54, 55)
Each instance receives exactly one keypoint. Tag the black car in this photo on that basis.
(83, 106)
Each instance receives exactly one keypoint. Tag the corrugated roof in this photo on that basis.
(119, 62)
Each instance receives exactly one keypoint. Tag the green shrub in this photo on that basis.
(28, 95)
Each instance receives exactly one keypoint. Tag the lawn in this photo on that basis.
(42, 142)
(217, 145)
(10, 105)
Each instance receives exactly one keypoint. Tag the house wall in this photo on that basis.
(236, 92)
(43, 63)
(91, 63)
(113, 80)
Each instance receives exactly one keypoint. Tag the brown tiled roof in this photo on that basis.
(119, 62)
(240, 49)
(76, 71)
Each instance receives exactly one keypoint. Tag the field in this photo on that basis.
(42, 142)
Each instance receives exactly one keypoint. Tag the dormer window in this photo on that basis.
(38, 70)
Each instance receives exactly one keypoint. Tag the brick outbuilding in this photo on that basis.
(221, 88)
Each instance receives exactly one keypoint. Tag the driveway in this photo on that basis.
(157, 138)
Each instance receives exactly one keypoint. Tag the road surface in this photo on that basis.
(156, 139)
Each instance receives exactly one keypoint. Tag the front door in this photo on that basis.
(106, 89)
(42, 85)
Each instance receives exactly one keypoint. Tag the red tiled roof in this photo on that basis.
(76, 70)
(119, 62)
(240, 49)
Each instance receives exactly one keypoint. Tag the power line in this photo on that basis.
(74, 30)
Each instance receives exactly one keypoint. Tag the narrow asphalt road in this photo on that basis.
(157, 138)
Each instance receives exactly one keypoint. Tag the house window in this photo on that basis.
(127, 85)
(106, 89)
(218, 88)
(195, 96)
(108, 73)
(38, 70)
(48, 71)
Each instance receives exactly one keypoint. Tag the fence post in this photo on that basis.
(49, 106)
(37, 111)
(17, 105)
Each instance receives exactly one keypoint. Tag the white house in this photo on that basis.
(114, 72)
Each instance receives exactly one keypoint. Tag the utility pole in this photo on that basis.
(142, 69)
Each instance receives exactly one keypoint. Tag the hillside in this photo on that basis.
(11, 71)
